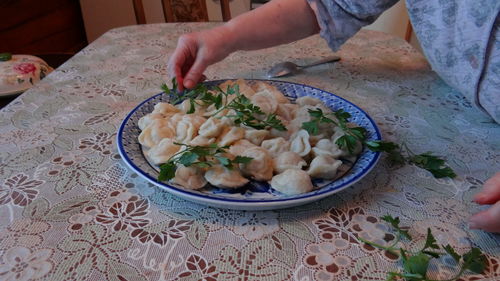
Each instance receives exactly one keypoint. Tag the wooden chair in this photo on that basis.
(182, 10)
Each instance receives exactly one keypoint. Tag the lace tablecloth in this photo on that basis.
(71, 210)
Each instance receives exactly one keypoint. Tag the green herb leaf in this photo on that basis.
(311, 127)
(191, 107)
(358, 132)
(242, 159)
(224, 161)
(347, 141)
(342, 116)
(188, 158)
(5, 56)
(433, 164)
(395, 224)
(167, 171)
(417, 264)
(379, 146)
(430, 241)
(452, 252)
(475, 261)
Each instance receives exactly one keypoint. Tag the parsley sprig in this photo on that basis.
(416, 264)
(246, 113)
(352, 135)
(198, 156)
(397, 156)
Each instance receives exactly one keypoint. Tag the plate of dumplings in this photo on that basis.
(249, 144)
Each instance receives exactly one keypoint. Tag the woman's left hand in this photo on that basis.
(489, 219)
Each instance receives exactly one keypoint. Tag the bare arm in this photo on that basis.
(275, 23)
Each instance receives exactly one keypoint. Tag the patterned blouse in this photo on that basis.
(460, 38)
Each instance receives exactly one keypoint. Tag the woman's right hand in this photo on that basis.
(195, 52)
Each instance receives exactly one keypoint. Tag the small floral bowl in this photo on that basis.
(20, 72)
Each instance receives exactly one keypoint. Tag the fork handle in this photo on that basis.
(322, 61)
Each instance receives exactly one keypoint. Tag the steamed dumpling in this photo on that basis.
(157, 130)
(187, 127)
(163, 151)
(292, 182)
(245, 90)
(189, 177)
(326, 147)
(276, 146)
(256, 136)
(211, 128)
(266, 101)
(324, 167)
(224, 178)
(300, 143)
(261, 165)
(240, 146)
(165, 109)
(287, 111)
(148, 119)
(302, 101)
(288, 160)
(260, 86)
(230, 135)
(201, 141)
(185, 106)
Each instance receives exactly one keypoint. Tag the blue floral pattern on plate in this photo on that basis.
(255, 195)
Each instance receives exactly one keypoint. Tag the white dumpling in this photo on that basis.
(344, 151)
(230, 135)
(276, 146)
(277, 94)
(201, 141)
(165, 109)
(245, 89)
(148, 119)
(189, 177)
(300, 143)
(211, 128)
(224, 178)
(288, 160)
(287, 111)
(185, 106)
(256, 136)
(326, 147)
(261, 165)
(265, 101)
(302, 101)
(157, 130)
(324, 167)
(163, 151)
(187, 128)
(240, 146)
(292, 182)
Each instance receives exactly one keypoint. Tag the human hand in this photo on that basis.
(195, 52)
(489, 219)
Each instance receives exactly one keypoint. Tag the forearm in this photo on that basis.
(277, 22)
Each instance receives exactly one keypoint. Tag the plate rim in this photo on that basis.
(261, 203)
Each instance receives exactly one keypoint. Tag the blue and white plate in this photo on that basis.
(255, 195)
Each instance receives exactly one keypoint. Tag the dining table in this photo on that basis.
(71, 209)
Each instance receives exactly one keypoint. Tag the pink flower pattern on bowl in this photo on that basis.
(25, 68)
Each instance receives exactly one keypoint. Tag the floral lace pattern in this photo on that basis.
(72, 210)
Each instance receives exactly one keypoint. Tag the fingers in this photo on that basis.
(488, 220)
(490, 193)
(195, 73)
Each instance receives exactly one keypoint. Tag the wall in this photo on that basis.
(98, 18)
